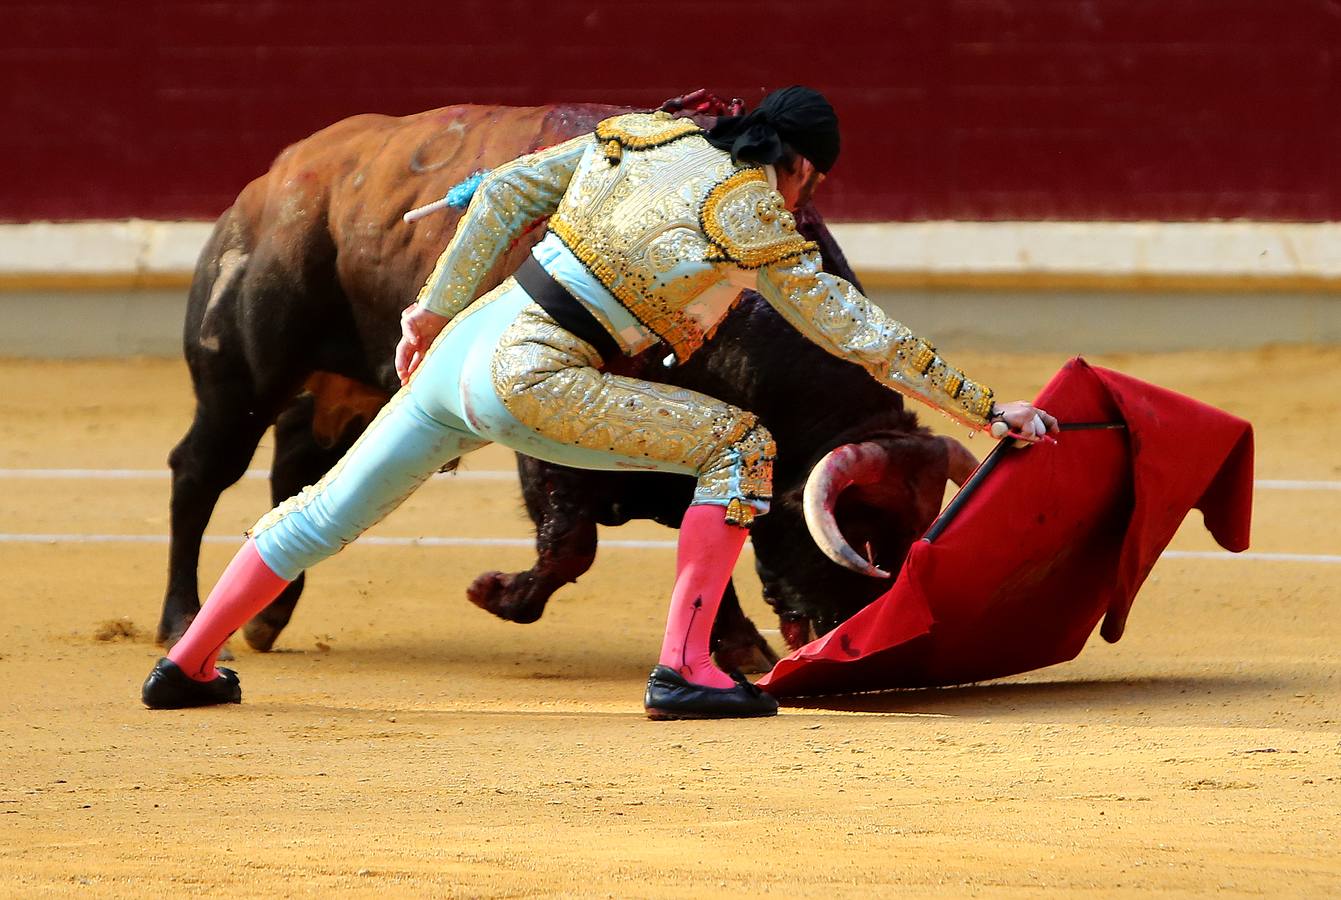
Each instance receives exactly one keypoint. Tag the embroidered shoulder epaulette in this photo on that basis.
(641, 131)
(746, 221)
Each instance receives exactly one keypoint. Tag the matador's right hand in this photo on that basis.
(419, 327)
(1023, 420)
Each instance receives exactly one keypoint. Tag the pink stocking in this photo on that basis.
(707, 553)
(245, 588)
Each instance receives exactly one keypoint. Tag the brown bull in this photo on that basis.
(303, 279)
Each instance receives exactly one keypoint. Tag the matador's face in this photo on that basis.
(808, 188)
(797, 185)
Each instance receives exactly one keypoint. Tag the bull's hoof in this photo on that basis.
(752, 659)
(260, 636)
(170, 630)
(168, 687)
(490, 592)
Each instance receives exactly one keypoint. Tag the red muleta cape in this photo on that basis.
(1053, 538)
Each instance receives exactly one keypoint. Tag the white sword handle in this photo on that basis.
(426, 210)
(1000, 429)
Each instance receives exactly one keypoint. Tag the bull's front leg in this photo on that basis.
(211, 456)
(565, 540)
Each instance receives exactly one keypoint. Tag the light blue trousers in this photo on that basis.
(449, 409)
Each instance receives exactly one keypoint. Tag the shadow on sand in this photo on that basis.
(1200, 698)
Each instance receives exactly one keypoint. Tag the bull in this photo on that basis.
(292, 321)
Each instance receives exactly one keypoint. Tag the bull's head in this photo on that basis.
(863, 505)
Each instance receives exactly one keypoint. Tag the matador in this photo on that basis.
(656, 225)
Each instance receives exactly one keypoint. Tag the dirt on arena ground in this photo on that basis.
(402, 741)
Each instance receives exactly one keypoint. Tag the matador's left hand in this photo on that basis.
(418, 329)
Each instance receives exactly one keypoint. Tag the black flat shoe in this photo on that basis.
(168, 687)
(669, 696)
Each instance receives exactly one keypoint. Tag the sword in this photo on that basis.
(427, 209)
(991, 462)
(457, 198)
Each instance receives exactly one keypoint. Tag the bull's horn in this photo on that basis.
(841, 468)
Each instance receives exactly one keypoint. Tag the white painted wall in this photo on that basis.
(1249, 249)
(117, 288)
(110, 248)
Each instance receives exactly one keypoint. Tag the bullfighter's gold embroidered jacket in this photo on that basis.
(673, 230)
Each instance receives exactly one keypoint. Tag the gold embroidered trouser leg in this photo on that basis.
(548, 382)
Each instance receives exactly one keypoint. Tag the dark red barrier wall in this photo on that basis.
(971, 109)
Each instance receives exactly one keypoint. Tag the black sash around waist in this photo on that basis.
(565, 309)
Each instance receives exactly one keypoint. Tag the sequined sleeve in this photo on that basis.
(833, 314)
(507, 202)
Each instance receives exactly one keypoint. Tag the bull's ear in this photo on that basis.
(959, 459)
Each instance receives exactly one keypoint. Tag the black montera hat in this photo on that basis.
(798, 116)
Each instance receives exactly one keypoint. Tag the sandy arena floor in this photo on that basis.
(402, 741)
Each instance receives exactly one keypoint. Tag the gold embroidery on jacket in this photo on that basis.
(748, 222)
(507, 202)
(631, 224)
(833, 312)
(642, 131)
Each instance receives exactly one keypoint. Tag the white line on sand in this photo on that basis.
(1253, 556)
(371, 540)
(378, 541)
(156, 474)
(1265, 484)
(1270, 485)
